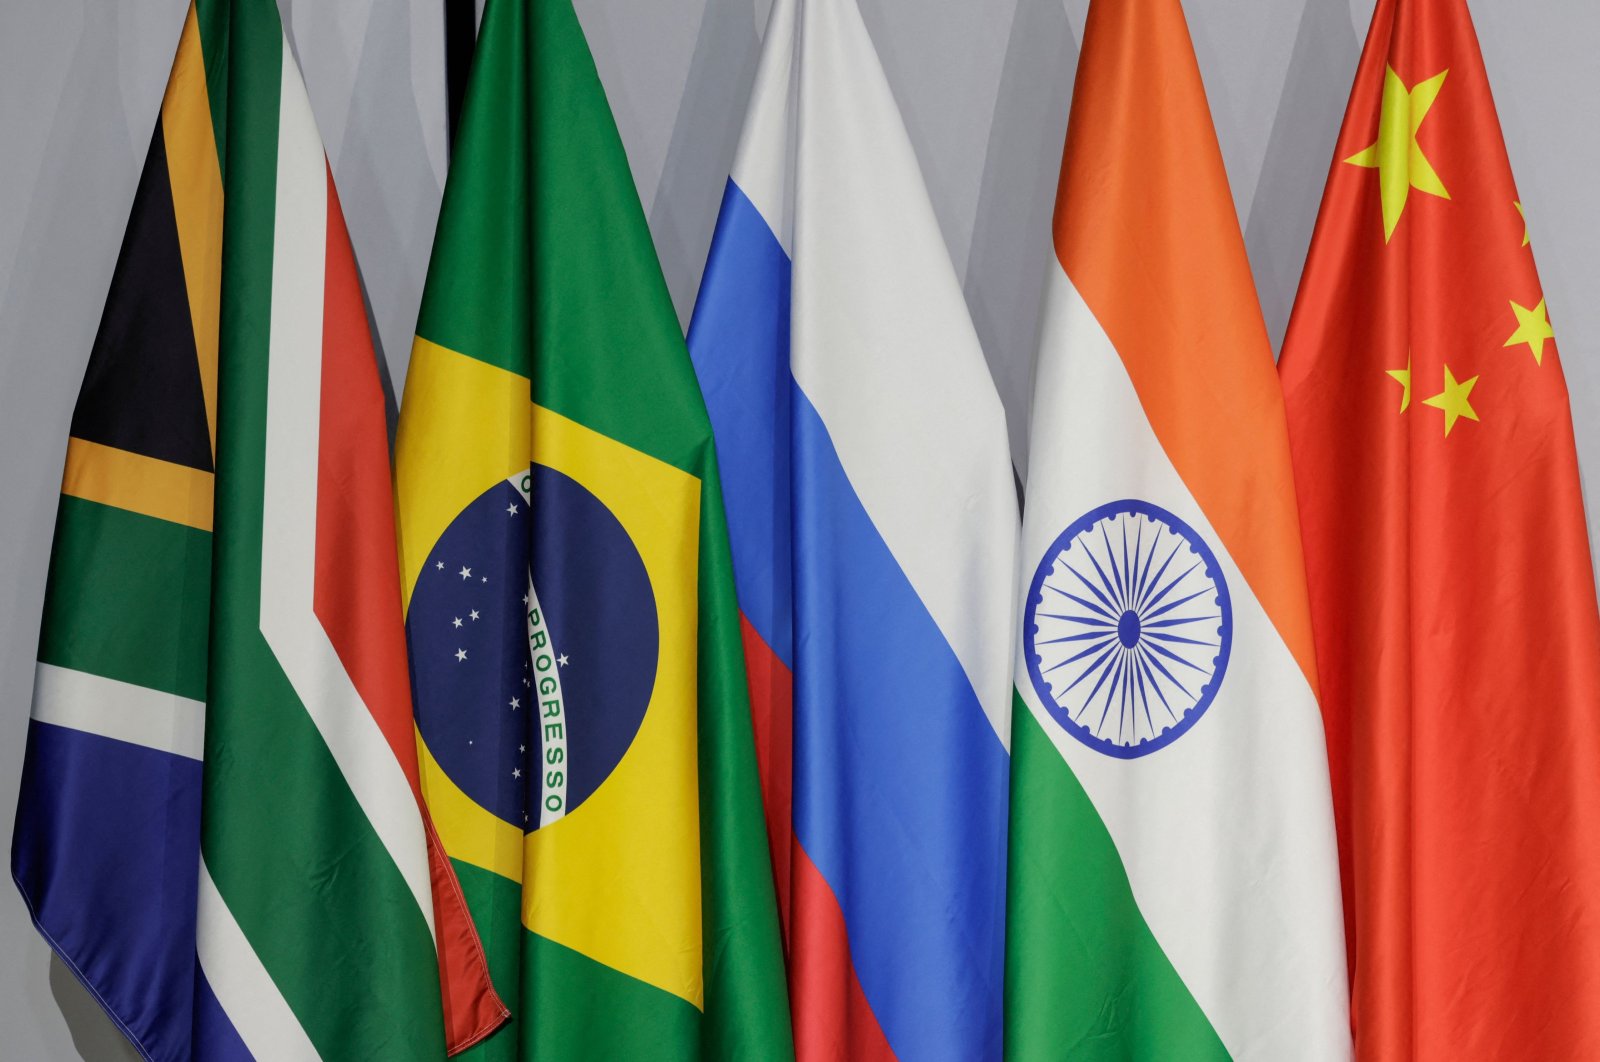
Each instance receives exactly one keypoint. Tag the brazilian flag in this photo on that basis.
(583, 717)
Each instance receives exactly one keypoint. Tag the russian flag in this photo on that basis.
(873, 520)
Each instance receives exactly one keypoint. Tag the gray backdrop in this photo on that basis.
(984, 85)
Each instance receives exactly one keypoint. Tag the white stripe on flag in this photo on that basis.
(885, 350)
(248, 996)
(762, 168)
(289, 531)
(119, 710)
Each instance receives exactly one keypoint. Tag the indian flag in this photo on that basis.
(1173, 887)
(329, 917)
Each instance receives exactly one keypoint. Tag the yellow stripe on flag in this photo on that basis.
(196, 177)
(175, 493)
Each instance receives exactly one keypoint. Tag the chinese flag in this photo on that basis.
(1451, 588)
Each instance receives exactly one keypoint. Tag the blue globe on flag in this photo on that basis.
(534, 646)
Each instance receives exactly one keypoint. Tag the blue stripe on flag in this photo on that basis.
(739, 341)
(106, 852)
(900, 780)
(215, 1037)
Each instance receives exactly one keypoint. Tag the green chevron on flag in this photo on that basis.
(327, 910)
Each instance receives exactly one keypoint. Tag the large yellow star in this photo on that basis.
(1404, 376)
(1533, 328)
(1400, 163)
(1453, 400)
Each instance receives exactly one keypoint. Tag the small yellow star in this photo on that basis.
(1533, 328)
(1404, 376)
(1526, 239)
(1453, 400)
(1400, 163)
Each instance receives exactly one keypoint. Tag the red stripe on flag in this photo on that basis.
(832, 1018)
(357, 594)
(772, 719)
(357, 600)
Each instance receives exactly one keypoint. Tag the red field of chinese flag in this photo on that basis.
(1451, 586)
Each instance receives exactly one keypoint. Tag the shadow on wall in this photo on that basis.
(389, 185)
(1299, 149)
(93, 1036)
(705, 135)
(375, 74)
(100, 127)
(1011, 244)
(98, 119)
(391, 182)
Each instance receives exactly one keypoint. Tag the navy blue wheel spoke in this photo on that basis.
(1174, 656)
(1087, 652)
(1086, 603)
(1170, 605)
(1105, 673)
(1093, 589)
(1144, 569)
(1159, 636)
(1170, 676)
(1127, 569)
(1088, 620)
(1105, 581)
(1144, 697)
(1144, 665)
(1155, 579)
(1128, 703)
(1122, 701)
(1111, 694)
(1128, 709)
(1093, 666)
(1073, 638)
(1180, 622)
(1165, 590)
(1111, 559)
